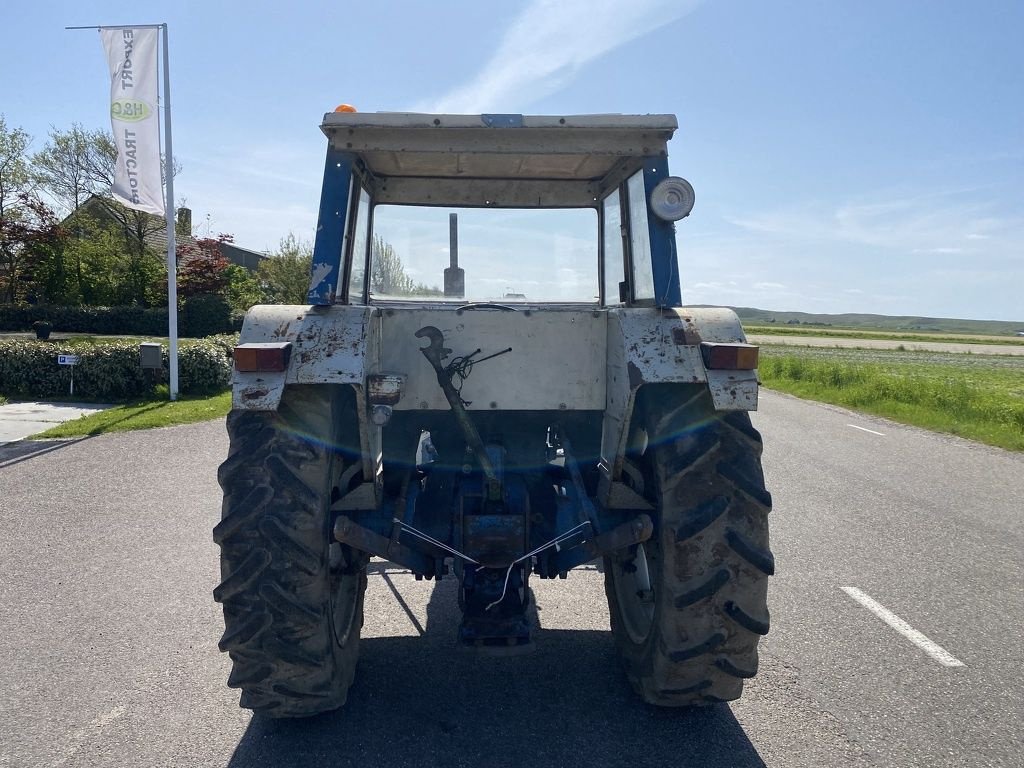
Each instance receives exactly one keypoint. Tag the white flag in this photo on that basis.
(131, 54)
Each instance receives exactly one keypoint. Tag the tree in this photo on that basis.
(17, 216)
(32, 236)
(202, 286)
(74, 165)
(285, 275)
(15, 177)
(140, 266)
(78, 164)
(243, 290)
(388, 275)
(202, 267)
(93, 255)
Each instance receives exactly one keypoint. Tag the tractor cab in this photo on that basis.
(498, 209)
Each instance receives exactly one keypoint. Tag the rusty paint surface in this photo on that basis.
(257, 391)
(686, 335)
(733, 390)
(330, 345)
(648, 346)
(384, 388)
(636, 376)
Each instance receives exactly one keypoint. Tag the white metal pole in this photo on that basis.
(172, 262)
(172, 267)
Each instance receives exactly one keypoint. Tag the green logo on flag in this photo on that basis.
(130, 110)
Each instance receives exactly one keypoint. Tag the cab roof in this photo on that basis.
(496, 160)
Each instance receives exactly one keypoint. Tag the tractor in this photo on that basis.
(494, 380)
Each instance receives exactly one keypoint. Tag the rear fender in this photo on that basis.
(337, 344)
(330, 345)
(659, 346)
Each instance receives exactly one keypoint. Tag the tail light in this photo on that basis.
(729, 357)
(262, 357)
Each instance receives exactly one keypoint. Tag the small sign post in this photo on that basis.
(71, 360)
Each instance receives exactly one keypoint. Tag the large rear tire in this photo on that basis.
(293, 601)
(689, 605)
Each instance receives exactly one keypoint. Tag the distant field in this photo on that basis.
(919, 345)
(872, 323)
(980, 397)
(966, 338)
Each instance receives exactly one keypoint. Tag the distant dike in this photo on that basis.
(863, 322)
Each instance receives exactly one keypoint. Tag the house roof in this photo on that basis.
(156, 235)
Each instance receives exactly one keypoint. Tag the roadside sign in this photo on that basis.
(71, 360)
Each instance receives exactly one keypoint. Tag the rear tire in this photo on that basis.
(293, 601)
(689, 605)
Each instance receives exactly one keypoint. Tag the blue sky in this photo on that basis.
(847, 156)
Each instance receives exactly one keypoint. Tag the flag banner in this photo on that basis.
(131, 54)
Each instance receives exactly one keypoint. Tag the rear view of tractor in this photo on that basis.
(494, 381)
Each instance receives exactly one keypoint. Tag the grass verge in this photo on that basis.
(144, 414)
(983, 402)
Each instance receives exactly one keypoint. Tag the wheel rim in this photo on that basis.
(634, 590)
(341, 560)
(344, 599)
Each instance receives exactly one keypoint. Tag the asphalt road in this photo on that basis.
(108, 630)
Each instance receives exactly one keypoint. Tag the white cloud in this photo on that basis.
(549, 43)
(936, 223)
(916, 253)
(941, 251)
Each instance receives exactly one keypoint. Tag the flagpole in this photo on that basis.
(172, 268)
(172, 265)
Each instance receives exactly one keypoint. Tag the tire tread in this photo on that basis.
(713, 550)
(276, 585)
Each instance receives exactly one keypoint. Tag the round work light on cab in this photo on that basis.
(672, 199)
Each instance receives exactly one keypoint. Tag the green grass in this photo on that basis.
(966, 395)
(82, 338)
(94, 341)
(144, 414)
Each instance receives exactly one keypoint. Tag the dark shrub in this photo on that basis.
(204, 315)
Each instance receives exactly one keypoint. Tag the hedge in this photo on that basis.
(109, 372)
(199, 316)
(204, 366)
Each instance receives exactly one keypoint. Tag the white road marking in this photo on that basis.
(77, 739)
(936, 651)
(865, 429)
(107, 717)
